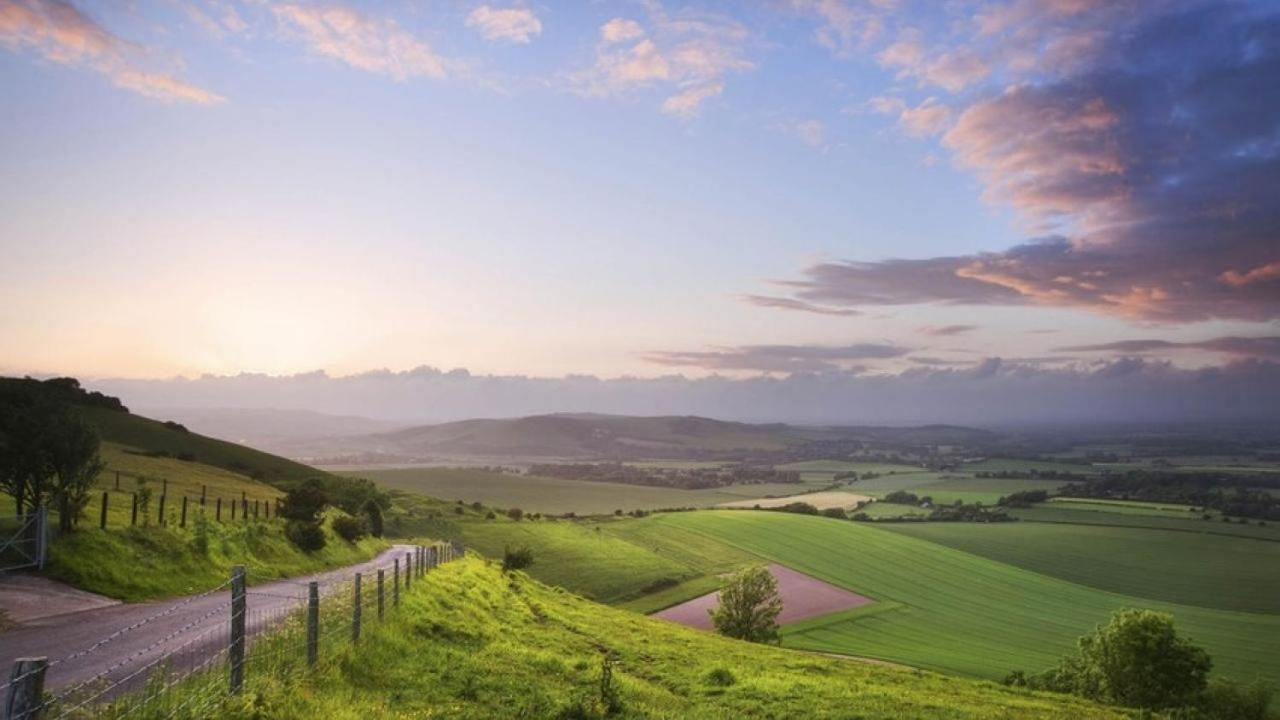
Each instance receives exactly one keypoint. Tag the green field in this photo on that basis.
(948, 610)
(1155, 564)
(1016, 465)
(534, 493)
(471, 642)
(1079, 514)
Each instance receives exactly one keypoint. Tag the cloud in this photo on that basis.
(812, 133)
(994, 393)
(928, 118)
(375, 45)
(516, 25)
(946, 330)
(1258, 347)
(61, 33)
(688, 54)
(620, 30)
(847, 25)
(1147, 174)
(784, 303)
(779, 358)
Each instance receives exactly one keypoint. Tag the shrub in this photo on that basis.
(517, 559)
(490, 515)
(800, 508)
(304, 502)
(515, 514)
(1023, 499)
(200, 535)
(307, 536)
(835, 512)
(1226, 699)
(349, 528)
(373, 516)
(901, 497)
(720, 677)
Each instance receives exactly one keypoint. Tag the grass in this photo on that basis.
(1155, 564)
(140, 563)
(436, 656)
(1183, 522)
(955, 611)
(535, 493)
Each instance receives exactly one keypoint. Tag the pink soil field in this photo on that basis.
(802, 596)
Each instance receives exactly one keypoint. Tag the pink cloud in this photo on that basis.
(375, 45)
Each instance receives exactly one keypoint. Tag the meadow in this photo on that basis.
(437, 653)
(948, 610)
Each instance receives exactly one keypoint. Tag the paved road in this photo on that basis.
(68, 640)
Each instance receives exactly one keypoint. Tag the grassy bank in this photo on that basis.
(436, 655)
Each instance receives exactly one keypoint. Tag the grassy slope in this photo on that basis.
(150, 561)
(1158, 564)
(952, 611)
(437, 655)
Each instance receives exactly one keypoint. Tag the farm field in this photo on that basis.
(820, 500)
(1156, 564)
(1098, 515)
(534, 493)
(948, 610)
(1017, 465)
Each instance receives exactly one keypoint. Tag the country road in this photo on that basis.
(162, 627)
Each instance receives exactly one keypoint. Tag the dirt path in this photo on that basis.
(802, 596)
(68, 639)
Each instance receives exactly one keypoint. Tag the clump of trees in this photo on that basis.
(48, 451)
(1138, 660)
(749, 606)
(1023, 499)
(302, 510)
(1229, 494)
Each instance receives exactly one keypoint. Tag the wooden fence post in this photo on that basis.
(162, 497)
(164, 489)
(204, 490)
(381, 592)
(313, 622)
(233, 510)
(218, 511)
(408, 572)
(26, 689)
(183, 522)
(244, 509)
(117, 479)
(238, 611)
(355, 613)
(102, 519)
(133, 520)
(395, 583)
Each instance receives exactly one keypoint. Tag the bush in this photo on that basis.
(901, 497)
(800, 508)
(373, 516)
(720, 677)
(349, 528)
(307, 536)
(517, 559)
(1023, 499)
(305, 502)
(515, 514)
(490, 515)
(835, 512)
(1227, 699)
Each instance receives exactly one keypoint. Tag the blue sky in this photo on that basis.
(225, 186)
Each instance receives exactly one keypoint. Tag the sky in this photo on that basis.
(859, 191)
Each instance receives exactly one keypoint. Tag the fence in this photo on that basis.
(24, 541)
(220, 640)
(117, 507)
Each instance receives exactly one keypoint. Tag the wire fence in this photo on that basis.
(224, 637)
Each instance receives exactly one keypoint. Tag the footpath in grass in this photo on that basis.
(436, 657)
(953, 611)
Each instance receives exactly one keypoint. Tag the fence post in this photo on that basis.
(381, 592)
(133, 519)
(164, 489)
(204, 491)
(313, 622)
(238, 611)
(218, 511)
(395, 583)
(102, 519)
(162, 497)
(183, 522)
(355, 613)
(42, 536)
(408, 572)
(255, 509)
(26, 689)
(233, 511)
(244, 510)
(117, 479)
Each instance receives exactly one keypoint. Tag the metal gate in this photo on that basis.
(24, 542)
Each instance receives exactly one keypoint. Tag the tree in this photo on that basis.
(1136, 660)
(749, 606)
(302, 507)
(515, 514)
(373, 516)
(26, 414)
(74, 459)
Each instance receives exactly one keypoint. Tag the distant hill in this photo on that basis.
(592, 436)
(270, 429)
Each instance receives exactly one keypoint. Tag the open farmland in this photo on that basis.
(944, 609)
(1156, 564)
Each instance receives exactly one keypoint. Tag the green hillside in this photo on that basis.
(438, 654)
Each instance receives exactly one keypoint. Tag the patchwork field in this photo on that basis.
(1148, 563)
(944, 609)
